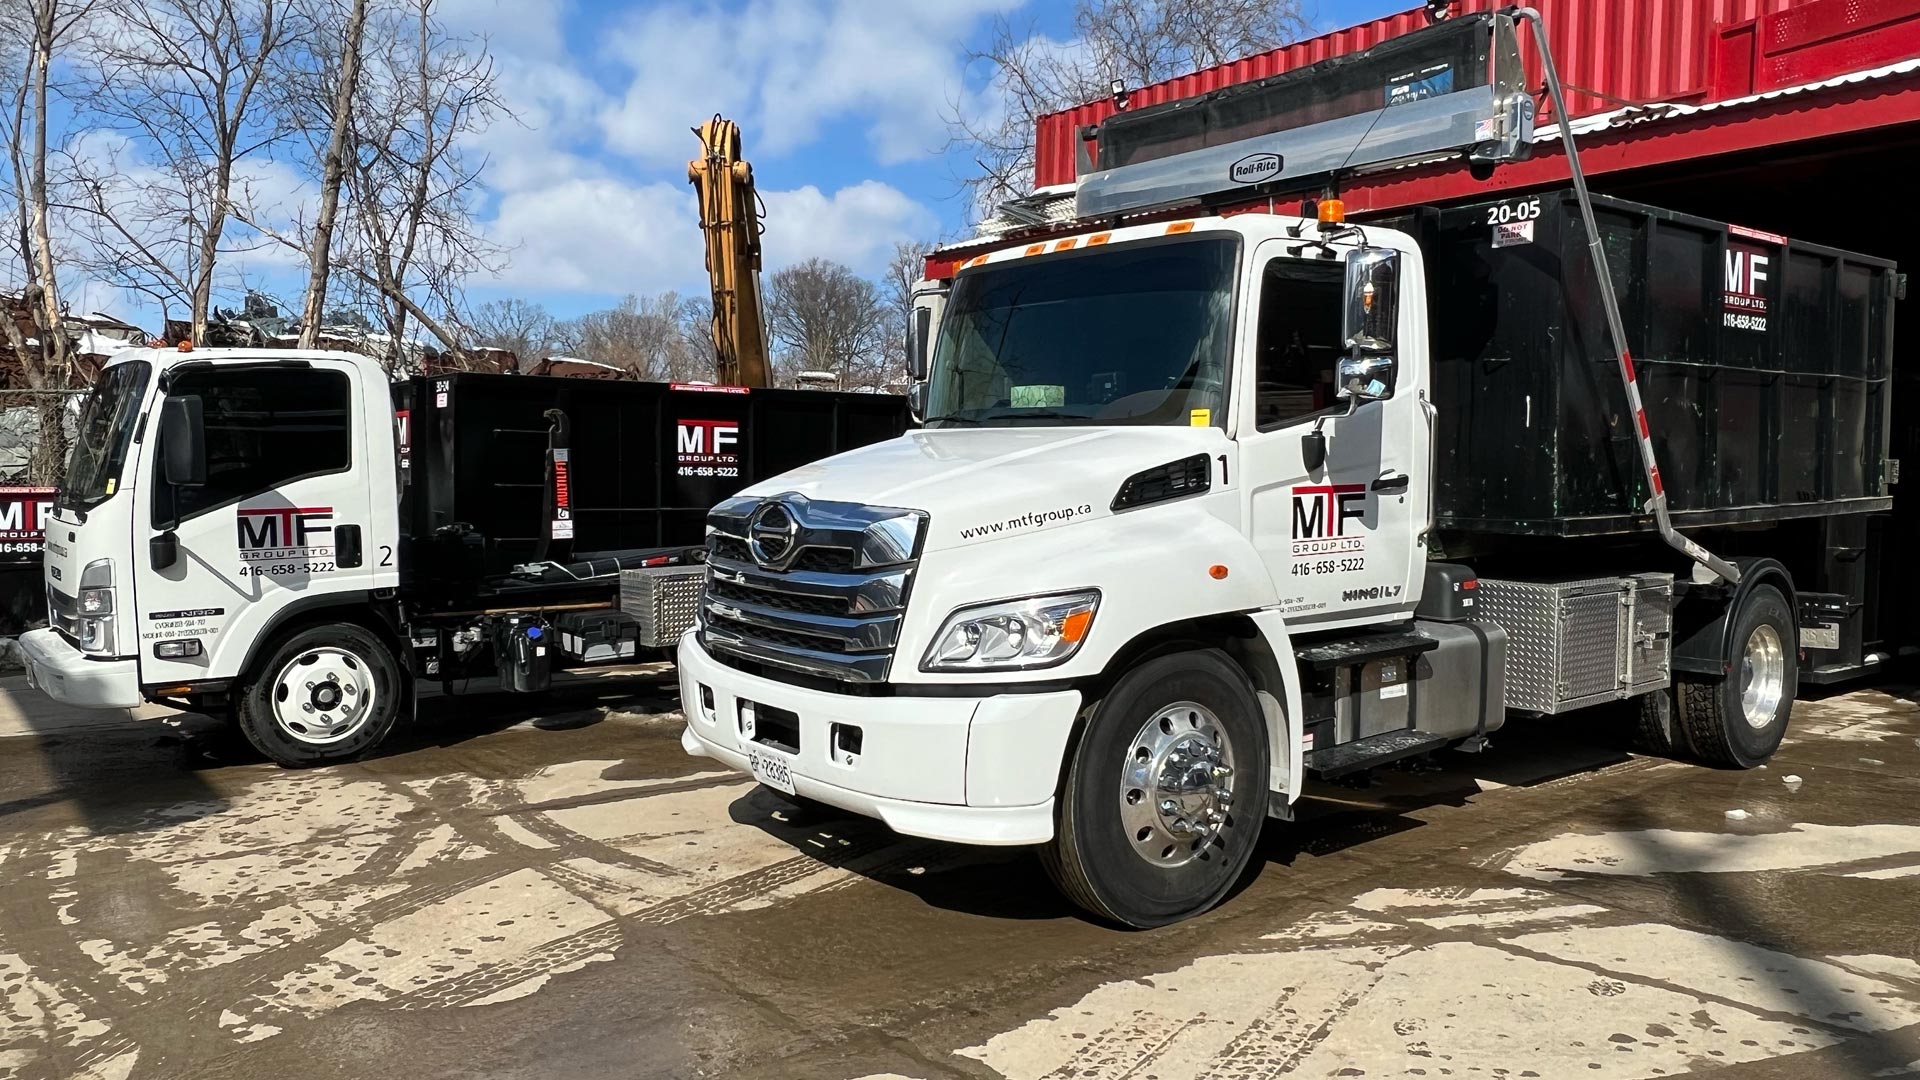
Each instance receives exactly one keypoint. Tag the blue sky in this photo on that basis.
(842, 103)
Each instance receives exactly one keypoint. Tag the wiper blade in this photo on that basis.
(953, 420)
(1039, 414)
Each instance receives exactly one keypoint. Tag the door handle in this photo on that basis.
(346, 546)
(1392, 484)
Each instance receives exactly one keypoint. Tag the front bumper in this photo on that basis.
(69, 677)
(971, 770)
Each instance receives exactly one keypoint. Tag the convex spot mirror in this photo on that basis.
(1361, 379)
(1373, 299)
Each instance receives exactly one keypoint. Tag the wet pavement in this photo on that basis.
(526, 888)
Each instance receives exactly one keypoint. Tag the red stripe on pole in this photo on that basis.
(1626, 361)
(1658, 487)
(1641, 416)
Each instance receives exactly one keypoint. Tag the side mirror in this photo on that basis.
(917, 402)
(1365, 378)
(183, 441)
(919, 343)
(1373, 299)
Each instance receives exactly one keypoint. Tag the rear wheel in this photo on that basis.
(327, 694)
(1740, 720)
(1166, 793)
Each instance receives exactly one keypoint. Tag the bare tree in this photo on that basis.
(825, 317)
(660, 338)
(46, 27)
(182, 83)
(521, 327)
(1133, 42)
(333, 166)
(905, 270)
(412, 189)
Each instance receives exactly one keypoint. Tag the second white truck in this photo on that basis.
(1209, 503)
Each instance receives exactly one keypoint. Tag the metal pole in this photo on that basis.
(1616, 326)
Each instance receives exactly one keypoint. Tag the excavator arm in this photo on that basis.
(729, 216)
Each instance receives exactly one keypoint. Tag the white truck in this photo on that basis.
(294, 541)
(1203, 500)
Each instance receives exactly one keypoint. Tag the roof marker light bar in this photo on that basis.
(1456, 87)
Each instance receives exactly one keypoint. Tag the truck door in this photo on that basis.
(1341, 538)
(283, 518)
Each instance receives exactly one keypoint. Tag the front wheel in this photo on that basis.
(327, 694)
(1166, 793)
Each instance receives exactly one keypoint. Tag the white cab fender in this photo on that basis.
(1287, 764)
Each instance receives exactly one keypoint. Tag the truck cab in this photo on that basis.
(1153, 457)
(215, 500)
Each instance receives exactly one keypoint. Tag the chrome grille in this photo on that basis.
(812, 586)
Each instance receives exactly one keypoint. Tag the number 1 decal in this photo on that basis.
(1223, 470)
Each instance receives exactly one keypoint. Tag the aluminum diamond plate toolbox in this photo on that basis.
(662, 600)
(1577, 643)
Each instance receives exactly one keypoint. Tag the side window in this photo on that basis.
(265, 428)
(1298, 340)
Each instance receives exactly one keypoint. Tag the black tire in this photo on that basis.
(341, 647)
(1712, 711)
(1093, 860)
(1659, 730)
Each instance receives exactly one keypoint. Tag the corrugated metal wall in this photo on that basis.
(1632, 50)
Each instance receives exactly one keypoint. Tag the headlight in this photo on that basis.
(96, 601)
(1013, 635)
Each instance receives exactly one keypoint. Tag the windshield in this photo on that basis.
(107, 421)
(1138, 334)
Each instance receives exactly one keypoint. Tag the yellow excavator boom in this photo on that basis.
(730, 218)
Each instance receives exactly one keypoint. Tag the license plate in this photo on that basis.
(770, 769)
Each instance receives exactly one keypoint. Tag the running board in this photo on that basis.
(1371, 752)
(1361, 650)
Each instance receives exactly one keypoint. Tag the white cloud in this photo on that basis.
(601, 236)
(788, 68)
(856, 225)
(526, 28)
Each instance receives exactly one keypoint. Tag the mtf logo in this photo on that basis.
(24, 517)
(1747, 273)
(274, 532)
(707, 438)
(1320, 516)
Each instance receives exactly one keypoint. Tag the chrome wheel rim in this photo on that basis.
(323, 696)
(1176, 786)
(1763, 676)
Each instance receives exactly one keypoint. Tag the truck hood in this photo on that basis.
(978, 484)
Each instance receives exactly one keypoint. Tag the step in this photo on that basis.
(1359, 650)
(1370, 752)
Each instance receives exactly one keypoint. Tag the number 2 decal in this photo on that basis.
(386, 555)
